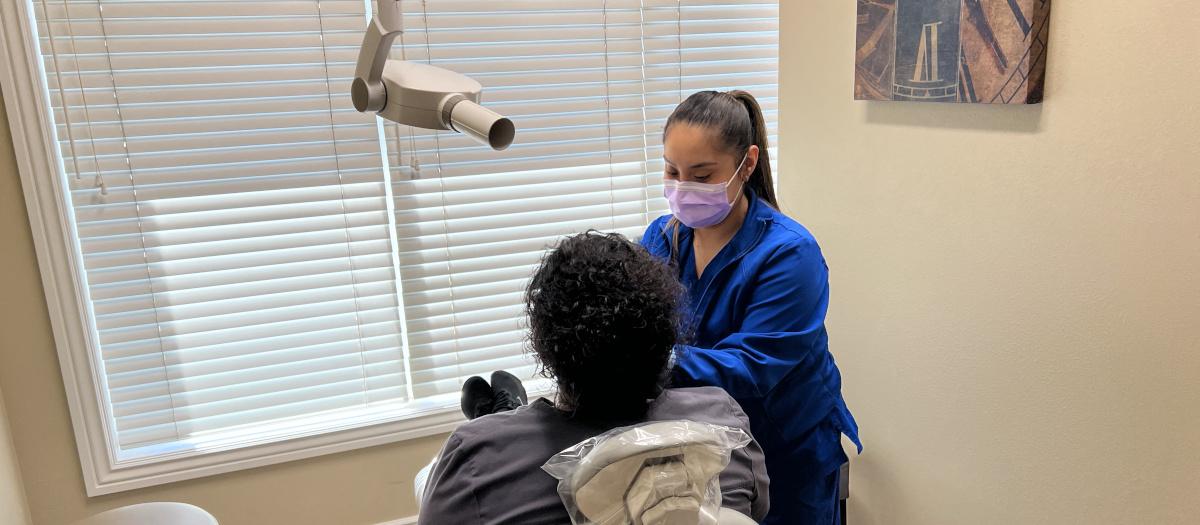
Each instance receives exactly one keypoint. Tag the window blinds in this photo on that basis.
(472, 224)
(256, 252)
(230, 211)
(590, 85)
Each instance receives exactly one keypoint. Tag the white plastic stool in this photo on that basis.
(158, 513)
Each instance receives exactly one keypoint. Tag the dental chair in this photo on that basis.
(661, 473)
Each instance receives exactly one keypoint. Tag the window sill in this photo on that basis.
(311, 437)
(149, 466)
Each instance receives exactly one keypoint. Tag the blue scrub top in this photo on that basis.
(758, 314)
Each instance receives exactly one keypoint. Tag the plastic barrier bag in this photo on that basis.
(660, 473)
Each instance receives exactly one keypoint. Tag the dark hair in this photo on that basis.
(604, 315)
(737, 122)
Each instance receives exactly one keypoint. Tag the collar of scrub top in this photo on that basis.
(757, 216)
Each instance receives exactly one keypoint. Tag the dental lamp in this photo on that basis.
(417, 94)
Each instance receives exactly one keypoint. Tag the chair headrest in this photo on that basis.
(663, 472)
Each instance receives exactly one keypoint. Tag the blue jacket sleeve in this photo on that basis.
(653, 239)
(782, 323)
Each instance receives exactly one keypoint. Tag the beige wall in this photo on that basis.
(12, 493)
(353, 488)
(1016, 290)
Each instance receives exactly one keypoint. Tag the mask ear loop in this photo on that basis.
(735, 176)
(738, 169)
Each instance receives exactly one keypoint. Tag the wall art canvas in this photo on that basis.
(967, 51)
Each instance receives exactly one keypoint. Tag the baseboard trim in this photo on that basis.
(411, 520)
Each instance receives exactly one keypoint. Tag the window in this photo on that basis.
(243, 270)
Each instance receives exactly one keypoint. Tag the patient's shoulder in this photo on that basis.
(708, 404)
(493, 426)
(694, 395)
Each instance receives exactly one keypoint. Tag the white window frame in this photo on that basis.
(26, 99)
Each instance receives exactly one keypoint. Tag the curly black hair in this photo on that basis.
(604, 315)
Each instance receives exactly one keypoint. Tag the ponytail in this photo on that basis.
(737, 123)
(761, 182)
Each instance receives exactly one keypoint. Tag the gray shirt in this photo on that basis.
(490, 471)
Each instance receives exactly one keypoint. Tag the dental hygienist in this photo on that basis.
(758, 290)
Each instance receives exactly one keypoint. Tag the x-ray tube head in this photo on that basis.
(481, 124)
(420, 95)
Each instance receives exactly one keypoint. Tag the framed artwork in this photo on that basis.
(967, 51)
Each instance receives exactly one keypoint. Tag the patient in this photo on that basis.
(604, 316)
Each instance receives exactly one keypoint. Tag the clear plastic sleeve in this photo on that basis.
(661, 473)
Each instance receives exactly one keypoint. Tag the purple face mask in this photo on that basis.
(700, 205)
